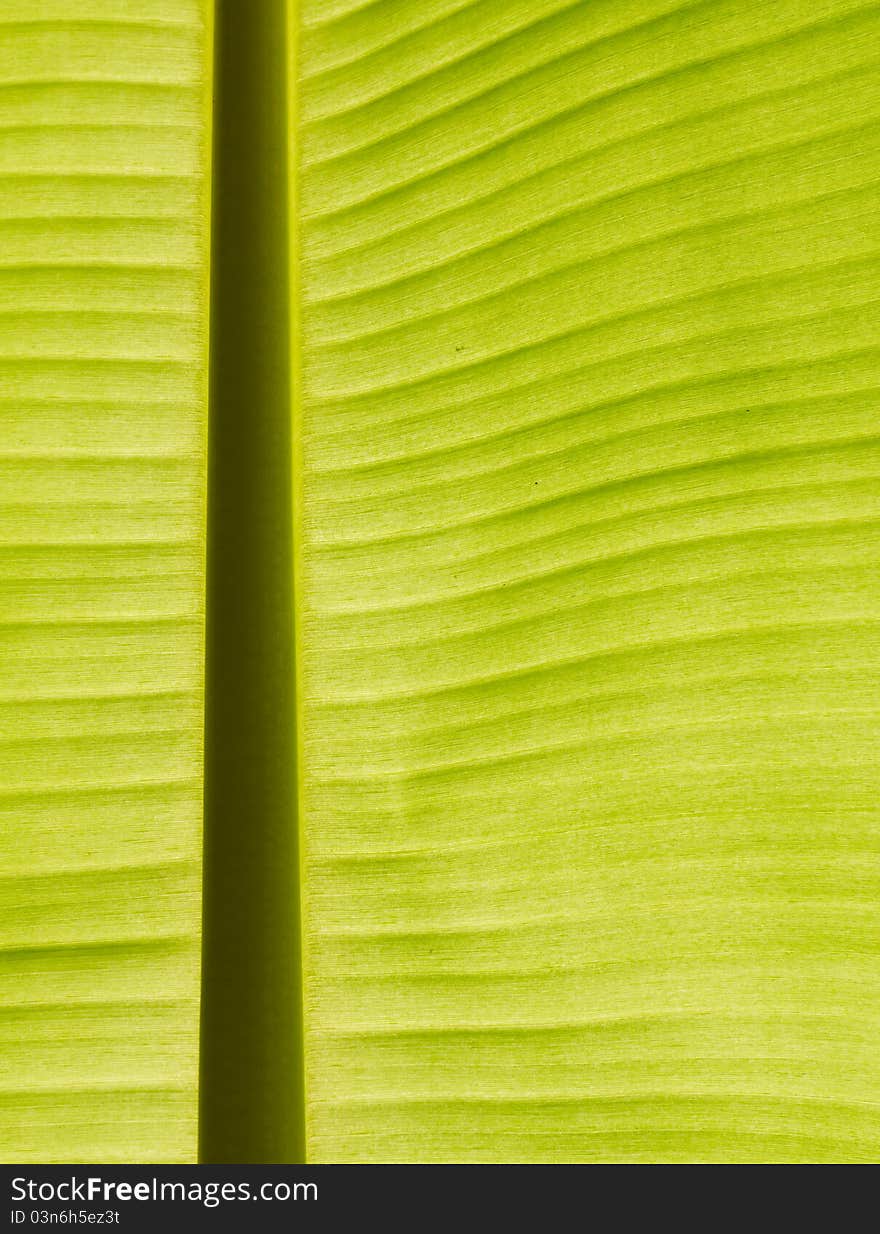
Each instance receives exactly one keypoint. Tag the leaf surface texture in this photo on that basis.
(587, 351)
(104, 177)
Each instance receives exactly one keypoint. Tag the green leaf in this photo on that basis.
(588, 578)
(584, 341)
(104, 188)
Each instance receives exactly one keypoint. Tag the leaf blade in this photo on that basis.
(103, 350)
(586, 593)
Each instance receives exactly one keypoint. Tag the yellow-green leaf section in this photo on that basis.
(104, 197)
(586, 341)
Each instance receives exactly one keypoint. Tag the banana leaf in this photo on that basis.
(535, 644)
(588, 577)
(104, 204)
